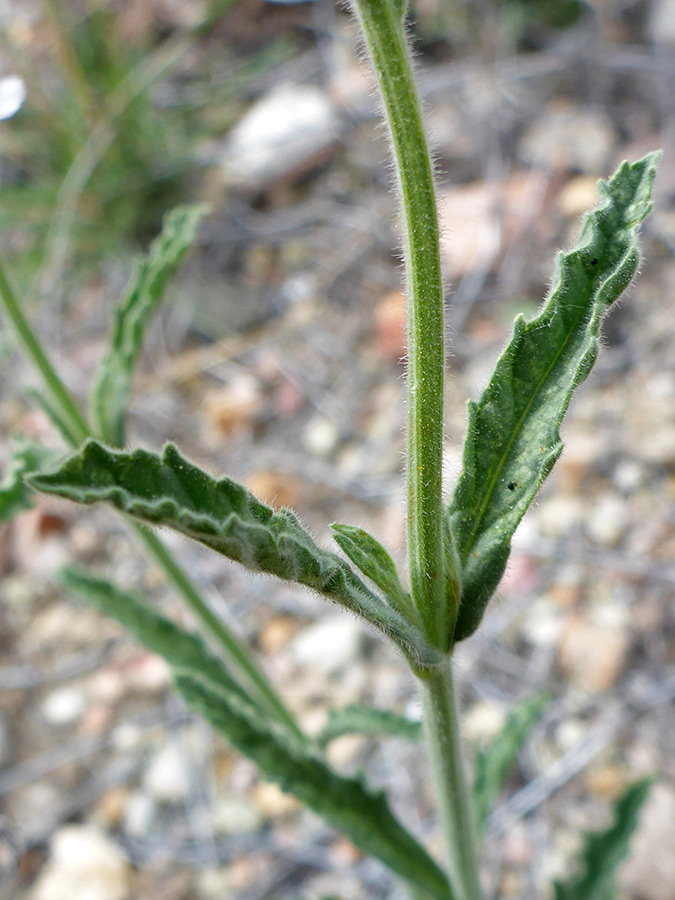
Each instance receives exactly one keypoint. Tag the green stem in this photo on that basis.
(35, 351)
(80, 431)
(236, 652)
(457, 819)
(387, 46)
(433, 567)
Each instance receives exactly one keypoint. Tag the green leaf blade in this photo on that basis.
(368, 554)
(183, 650)
(604, 851)
(141, 298)
(345, 803)
(493, 764)
(512, 438)
(366, 720)
(15, 494)
(168, 490)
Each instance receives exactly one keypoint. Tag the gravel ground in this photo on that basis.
(278, 361)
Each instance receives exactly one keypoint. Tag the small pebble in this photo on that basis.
(233, 814)
(83, 864)
(63, 707)
(167, 778)
(320, 436)
(139, 815)
(328, 645)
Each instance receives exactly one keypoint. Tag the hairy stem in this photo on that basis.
(387, 46)
(235, 652)
(433, 568)
(457, 819)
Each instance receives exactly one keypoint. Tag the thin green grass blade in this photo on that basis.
(141, 298)
(512, 437)
(345, 803)
(604, 851)
(493, 764)
(27, 457)
(168, 490)
(183, 650)
(368, 555)
(354, 719)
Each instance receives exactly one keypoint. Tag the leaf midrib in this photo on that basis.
(493, 481)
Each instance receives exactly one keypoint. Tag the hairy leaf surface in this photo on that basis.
(355, 719)
(368, 554)
(345, 803)
(141, 298)
(512, 437)
(604, 851)
(493, 764)
(27, 457)
(168, 490)
(183, 650)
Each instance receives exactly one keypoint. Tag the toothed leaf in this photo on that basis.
(15, 494)
(345, 803)
(354, 719)
(141, 298)
(168, 490)
(604, 851)
(512, 437)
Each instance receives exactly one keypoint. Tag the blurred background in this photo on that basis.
(277, 359)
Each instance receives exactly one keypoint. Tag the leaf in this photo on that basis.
(136, 307)
(374, 561)
(345, 803)
(512, 437)
(225, 516)
(54, 415)
(354, 719)
(27, 457)
(604, 851)
(492, 765)
(183, 650)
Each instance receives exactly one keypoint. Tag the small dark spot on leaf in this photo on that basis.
(594, 262)
(512, 485)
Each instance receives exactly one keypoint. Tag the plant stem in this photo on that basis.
(36, 352)
(433, 571)
(382, 26)
(235, 652)
(457, 819)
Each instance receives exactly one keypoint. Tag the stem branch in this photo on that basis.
(235, 652)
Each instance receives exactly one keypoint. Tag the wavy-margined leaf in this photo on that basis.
(27, 457)
(493, 764)
(345, 803)
(183, 650)
(512, 437)
(168, 490)
(368, 554)
(355, 719)
(136, 307)
(604, 851)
